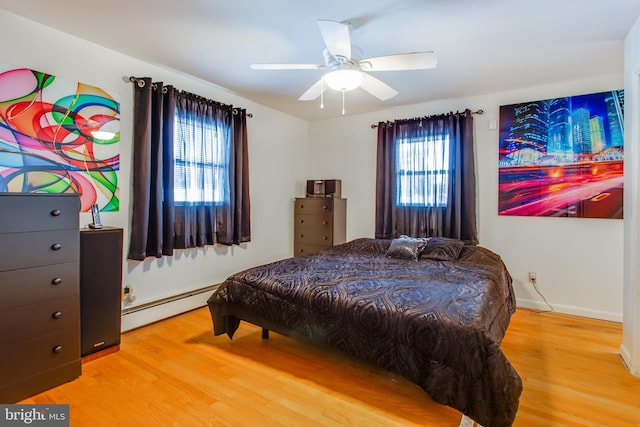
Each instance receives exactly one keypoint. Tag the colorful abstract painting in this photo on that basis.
(563, 157)
(46, 140)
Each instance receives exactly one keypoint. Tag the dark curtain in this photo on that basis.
(455, 219)
(234, 225)
(153, 210)
(159, 225)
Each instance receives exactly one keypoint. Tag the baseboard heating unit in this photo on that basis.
(153, 311)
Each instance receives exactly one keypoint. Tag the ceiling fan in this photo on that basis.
(347, 69)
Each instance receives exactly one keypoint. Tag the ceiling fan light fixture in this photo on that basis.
(343, 80)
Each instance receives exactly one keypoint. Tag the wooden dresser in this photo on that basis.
(320, 222)
(39, 297)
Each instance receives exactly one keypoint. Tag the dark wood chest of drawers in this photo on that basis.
(39, 296)
(319, 223)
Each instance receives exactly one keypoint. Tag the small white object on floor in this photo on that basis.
(468, 422)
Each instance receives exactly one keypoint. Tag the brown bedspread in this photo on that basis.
(438, 323)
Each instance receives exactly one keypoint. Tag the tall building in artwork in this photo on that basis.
(615, 117)
(528, 134)
(560, 140)
(581, 131)
(598, 138)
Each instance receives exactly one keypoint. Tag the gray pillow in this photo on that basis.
(406, 247)
(442, 249)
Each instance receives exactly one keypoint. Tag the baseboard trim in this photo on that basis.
(154, 311)
(568, 309)
(625, 355)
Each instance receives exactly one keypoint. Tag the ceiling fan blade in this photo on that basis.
(402, 61)
(285, 66)
(336, 38)
(377, 88)
(314, 91)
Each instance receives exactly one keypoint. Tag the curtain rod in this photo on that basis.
(425, 117)
(140, 82)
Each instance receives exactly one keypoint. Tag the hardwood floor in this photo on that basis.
(176, 373)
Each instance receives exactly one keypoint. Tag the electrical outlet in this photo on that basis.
(127, 294)
(532, 277)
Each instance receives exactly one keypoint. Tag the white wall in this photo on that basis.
(578, 261)
(630, 349)
(277, 143)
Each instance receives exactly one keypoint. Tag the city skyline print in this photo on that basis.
(563, 157)
(47, 144)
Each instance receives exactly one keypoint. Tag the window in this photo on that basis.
(200, 159)
(422, 171)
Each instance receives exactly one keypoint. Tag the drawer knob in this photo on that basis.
(325, 222)
(56, 246)
(301, 206)
(301, 221)
(57, 349)
(325, 207)
(56, 212)
(301, 236)
(57, 315)
(324, 237)
(56, 281)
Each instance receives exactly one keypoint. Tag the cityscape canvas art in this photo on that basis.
(563, 157)
(48, 142)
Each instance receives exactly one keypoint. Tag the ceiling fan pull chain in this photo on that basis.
(343, 92)
(322, 94)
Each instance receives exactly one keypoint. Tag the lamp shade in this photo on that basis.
(343, 80)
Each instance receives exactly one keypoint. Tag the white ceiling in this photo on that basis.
(483, 46)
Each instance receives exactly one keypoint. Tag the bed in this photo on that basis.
(438, 323)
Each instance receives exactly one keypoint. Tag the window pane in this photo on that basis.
(422, 172)
(200, 161)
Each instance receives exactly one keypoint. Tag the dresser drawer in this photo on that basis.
(30, 285)
(39, 355)
(40, 381)
(39, 319)
(300, 249)
(312, 229)
(313, 206)
(37, 212)
(304, 222)
(23, 250)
